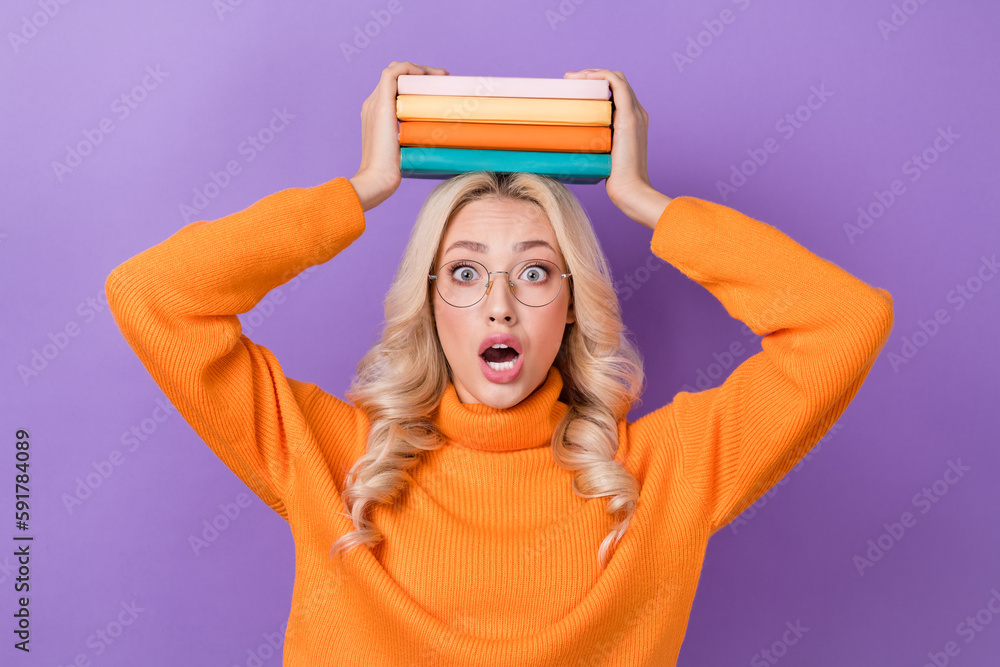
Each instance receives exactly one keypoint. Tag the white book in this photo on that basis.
(502, 86)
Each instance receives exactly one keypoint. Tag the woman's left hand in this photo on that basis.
(628, 184)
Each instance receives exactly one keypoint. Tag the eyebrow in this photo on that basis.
(475, 246)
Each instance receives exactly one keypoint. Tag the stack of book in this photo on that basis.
(453, 124)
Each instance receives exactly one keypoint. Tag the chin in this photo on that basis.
(506, 401)
(499, 396)
(504, 395)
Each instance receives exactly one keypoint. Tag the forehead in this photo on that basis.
(500, 226)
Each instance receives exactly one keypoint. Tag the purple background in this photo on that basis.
(223, 74)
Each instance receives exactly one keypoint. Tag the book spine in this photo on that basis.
(499, 136)
(491, 86)
(458, 160)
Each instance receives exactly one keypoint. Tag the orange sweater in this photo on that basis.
(490, 558)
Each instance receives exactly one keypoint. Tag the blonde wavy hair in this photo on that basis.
(400, 381)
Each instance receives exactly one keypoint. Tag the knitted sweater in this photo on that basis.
(489, 557)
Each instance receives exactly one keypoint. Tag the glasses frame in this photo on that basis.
(489, 283)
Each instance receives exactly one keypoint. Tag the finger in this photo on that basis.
(386, 89)
(620, 88)
(615, 78)
(428, 68)
(396, 68)
(390, 74)
(422, 69)
(597, 72)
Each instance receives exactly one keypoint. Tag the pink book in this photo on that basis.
(502, 86)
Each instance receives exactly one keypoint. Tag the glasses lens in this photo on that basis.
(536, 281)
(462, 283)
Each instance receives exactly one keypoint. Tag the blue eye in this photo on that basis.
(535, 274)
(463, 273)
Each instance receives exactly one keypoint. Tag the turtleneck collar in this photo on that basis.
(526, 425)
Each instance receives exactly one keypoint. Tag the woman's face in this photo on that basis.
(488, 232)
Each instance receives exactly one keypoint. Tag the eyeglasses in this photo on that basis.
(463, 282)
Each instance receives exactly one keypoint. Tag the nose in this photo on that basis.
(502, 306)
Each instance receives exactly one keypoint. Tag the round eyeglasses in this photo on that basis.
(463, 282)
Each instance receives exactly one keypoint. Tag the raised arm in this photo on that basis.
(176, 306)
(823, 329)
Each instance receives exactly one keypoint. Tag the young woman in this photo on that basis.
(482, 499)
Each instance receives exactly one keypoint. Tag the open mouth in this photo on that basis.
(500, 357)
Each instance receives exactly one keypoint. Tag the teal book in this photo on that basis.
(427, 162)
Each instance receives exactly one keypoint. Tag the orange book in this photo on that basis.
(501, 136)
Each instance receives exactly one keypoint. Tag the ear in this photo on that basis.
(570, 314)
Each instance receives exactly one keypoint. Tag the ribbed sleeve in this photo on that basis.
(822, 328)
(176, 305)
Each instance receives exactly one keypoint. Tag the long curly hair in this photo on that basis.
(400, 381)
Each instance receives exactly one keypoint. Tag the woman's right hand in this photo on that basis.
(379, 175)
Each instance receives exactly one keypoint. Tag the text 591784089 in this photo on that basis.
(22, 543)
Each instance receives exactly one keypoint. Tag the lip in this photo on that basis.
(504, 339)
(501, 377)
